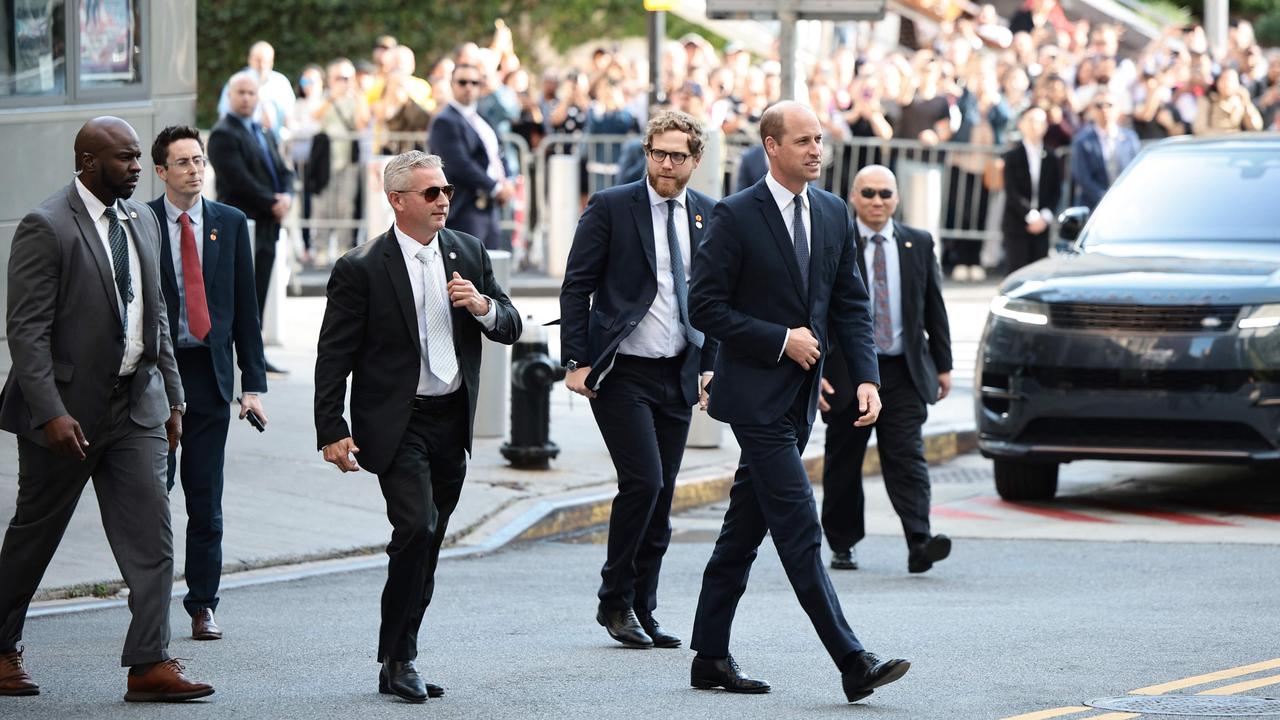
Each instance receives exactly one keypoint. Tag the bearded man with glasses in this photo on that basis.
(633, 351)
(404, 317)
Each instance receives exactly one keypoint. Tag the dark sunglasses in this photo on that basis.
(465, 83)
(660, 156)
(430, 194)
(868, 193)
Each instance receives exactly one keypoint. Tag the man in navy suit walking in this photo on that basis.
(207, 276)
(634, 352)
(776, 281)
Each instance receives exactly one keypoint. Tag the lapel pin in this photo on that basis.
(213, 235)
(908, 243)
(698, 225)
(133, 215)
(697, 221)
(453, 255)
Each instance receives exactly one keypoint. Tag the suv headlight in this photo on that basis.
(1020, 310)
(1260, 316)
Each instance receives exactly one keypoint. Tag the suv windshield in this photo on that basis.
(1190, 194)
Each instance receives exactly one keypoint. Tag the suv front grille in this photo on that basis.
(1144, 318)
(1066, 379)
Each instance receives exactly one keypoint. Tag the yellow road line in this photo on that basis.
(1206, 678)
(1046, 714)
(1245, 686)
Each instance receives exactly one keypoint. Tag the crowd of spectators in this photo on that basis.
(964, 80)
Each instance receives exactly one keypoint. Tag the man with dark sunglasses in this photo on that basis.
(471, 149)
(913, 351)
(1101, 151)
(404, 318)
(634, 353)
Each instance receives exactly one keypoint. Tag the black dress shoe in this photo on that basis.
(661, 638)
(864, 672)
(846, 560)
(723, 672)
(274, 370)
(923, 555)
(402, 679)
(623, 626)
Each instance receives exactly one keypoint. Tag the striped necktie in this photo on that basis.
(441, 359)
(120, 261)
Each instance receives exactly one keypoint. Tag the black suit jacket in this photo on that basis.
(466, 163)
(243, 180)
(1017, 191)
(926, 332)
(611, 280)
(370, 332)
(229, 292)
(747, 292)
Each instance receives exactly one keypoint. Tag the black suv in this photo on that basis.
(1156, 336)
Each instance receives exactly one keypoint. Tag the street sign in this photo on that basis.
(838, 10)
(659, 5)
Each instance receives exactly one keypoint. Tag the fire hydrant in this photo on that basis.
(533, 374)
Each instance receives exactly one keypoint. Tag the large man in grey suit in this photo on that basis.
(93, 392)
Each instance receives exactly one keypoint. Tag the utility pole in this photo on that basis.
(657, 33)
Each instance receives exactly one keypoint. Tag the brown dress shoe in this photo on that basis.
(164, 682)
(204, 627)
(14, 679)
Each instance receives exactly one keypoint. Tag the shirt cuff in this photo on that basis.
(785, 338)
(490, 319)
(1047, 214)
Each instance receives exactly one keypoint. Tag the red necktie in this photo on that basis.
(193, 283)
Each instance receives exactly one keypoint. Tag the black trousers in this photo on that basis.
(771, 493)
(265, 234)
(126, 462)
(421, 488)
(901, 447)
(204, 451)
(644, 420)
(1021, 250)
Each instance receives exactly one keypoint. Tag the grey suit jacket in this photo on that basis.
(66, 338)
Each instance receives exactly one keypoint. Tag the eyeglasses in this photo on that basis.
(185, 164)
(464, 83)
(660, 156)
(868, 193)
(430, 194)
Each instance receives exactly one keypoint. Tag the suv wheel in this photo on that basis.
(1023, 480)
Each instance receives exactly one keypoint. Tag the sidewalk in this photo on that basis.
(284, 505)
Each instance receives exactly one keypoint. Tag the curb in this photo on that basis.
(540, 519)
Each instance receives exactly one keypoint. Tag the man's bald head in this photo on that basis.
(107, 158)
(874, 196)
(875, 172)
(242, 93)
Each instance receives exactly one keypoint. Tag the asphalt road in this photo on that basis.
(1004, 627)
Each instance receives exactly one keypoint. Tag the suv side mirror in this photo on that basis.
(1071, 222)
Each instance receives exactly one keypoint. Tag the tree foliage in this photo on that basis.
(307, 31)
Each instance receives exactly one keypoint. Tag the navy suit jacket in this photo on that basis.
(613, 258)
(1089, 167)
(242, 177)
(229, 291)
(747, 292)
(465, 164)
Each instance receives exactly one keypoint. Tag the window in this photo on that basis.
(110, 37)
(33, 48)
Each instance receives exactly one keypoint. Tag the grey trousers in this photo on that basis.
(128, 465)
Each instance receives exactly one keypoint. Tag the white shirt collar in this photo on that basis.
(783, 196)
(466, 110)
(94, 205)
(656, 199)
(1033, 151)
(411, 247)
(865, 232)
(196, 213)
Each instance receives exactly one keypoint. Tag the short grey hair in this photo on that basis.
(395, 178)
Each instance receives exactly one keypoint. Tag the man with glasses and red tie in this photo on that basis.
(404, 317)
(206, 272)
(472, 151)
(633, 351)
(913, 351)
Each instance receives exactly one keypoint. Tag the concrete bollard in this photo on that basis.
(705, 432)
(564, 207)
(495, 365)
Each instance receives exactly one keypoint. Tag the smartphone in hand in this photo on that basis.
(254, 419)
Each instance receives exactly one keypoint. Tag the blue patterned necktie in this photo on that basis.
(261, 135)
(802, 242)
(120, 261)
(677, 275)
(883, 320)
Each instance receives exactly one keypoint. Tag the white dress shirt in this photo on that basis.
(786, 200)
(133, 311)
(893, 275)
(171, 215)
(495, 169)
(660, 334)
(429, 384)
